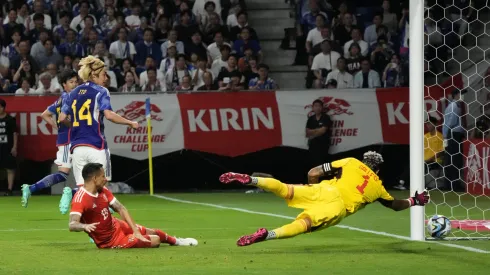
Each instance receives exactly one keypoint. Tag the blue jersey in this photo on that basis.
(63, 130)
(86, 105)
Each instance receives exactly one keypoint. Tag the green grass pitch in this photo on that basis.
(36, 240)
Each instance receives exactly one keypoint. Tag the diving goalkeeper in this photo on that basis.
(355, 185)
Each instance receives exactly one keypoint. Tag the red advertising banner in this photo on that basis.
(477, 168)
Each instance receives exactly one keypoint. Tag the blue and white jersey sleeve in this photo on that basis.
(104, 101)
(66, 108)
(52, 108)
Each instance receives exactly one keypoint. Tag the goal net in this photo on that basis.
(456, 76)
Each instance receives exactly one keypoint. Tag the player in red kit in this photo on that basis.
(90, 213)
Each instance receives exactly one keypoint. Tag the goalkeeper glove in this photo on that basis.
(420, 198)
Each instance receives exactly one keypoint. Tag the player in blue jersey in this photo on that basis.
(87, 106)
(68, 80)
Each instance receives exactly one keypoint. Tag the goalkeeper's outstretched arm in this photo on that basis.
(420, 199)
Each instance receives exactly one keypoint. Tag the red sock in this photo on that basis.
(165, 238)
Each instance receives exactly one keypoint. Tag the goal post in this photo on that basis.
(417, 109)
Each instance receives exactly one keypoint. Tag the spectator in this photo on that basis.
(199, 9)
(185, 84)
(366, 78)
(251, 71)
(10, 27)
(203, 18)
(12, 50)
(318, 133)
(143, 79)
(78, 6)
(100, 51)
(222, 62)
(84, 34)
(77, 23)
(370, 34)
(130, 85)
(162, 32)
(178, 15)
(67, 60)
(153, 84)
(331, 84)
(147, 48)
(392, 76)
(22, 14)
(126, 7)
(339, 18)
(382, 54)
(186, 29)
(227, 71)
(4, 79)
(46, 86)
(403, 26)
(8, 146)
(89, 44)
(38, 49)
(133, 20)
(17, 61)
(245, 41)
(308, 21)
(209, 84)
(172, 38)
(122, 49)
(173, 77)
(38, 10)
(127, 66)
(356, 36)
(233, 82)
(232, 19)
(390, 19)
(242, 19)
(110, 81)
(340, 75)
(263, 81)
(38, 28)
(342, 32)
(169, 61)
(315, 35)
(50, 55)
(460, 13)
(53, 70)
(25, 88)
(196, 46)
(214, 26)
(323, 63)
(71, 46)
(198, 79)
(243, 61)
(60, 31)
(214, 48)
(74, 64)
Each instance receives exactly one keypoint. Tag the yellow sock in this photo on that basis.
(282, 190)
(289, 230)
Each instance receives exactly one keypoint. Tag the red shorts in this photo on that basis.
(124, 238)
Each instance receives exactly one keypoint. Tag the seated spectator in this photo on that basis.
(126, 66)
(52, 69)
(77, 23)
(323, 63)
(196, 46)
(67, 60)
(381, 55)
(108, 21)
(111, 83)
(404, 31)
(76, 8)
(342, 32)
(184, 7)
(251, 71)
(173, 77)
(37, 49)
(390, 19)
(308, 21)
(25, 88)
(150, 63)
(339, 18)
(122, 48)
(197, 77)
(75, 64)
(162, 31)
(232, 19)
(392, 74)
(38, 10)
(356, 36)
(186, 29)
(17, 61)
(233, 82)
(214, 48)
(201, 7)
(240, 45)
(22, 14)
(126, 7)
(209, 84)
(59, 32)
(221, 62)
(91, 42)
(133, 20)
(243, 61)
(84, 33)
(138, 32)
(12, 50)
(325, 33)
(152, 84)
(340, 75)
(172, 39)
(101, 52)
(185, 84)
(130, 85)
(10, 27)
(212, 27)
(169, 61)
(235, 32)
(315, 35)
(366, 78)
(147, 48)
(71, 46)
(227, 71)
(34, 33)
(263, 81)
(203, 18)
(370, 34)
(50, 55)
(45, 86)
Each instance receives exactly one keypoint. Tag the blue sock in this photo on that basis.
(73, 191)
(48, 181)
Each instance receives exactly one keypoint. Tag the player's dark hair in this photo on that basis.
(90, 170)
(317, 101)
(372, 160)
(66, 75)
(3, 103)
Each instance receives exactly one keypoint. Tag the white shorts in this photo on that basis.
(63, 156)
(83, 155)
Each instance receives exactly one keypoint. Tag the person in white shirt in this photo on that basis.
(343, 78)
(38, 8)
(370, 33)
(326, 60)
(173, 77)
(198, 8)
(214, 49)
(45, 86)
(315, 36)
(172, 39)
(150, 63)
(77, 21)
(356, 37)
(25, 88)
(134, 20)
(169, 61)
(198, 76)
(122, 48)
(219, 63)
(366, 78)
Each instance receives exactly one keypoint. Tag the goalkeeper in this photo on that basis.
(355, 185)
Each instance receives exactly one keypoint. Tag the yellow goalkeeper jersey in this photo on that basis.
(358, 184)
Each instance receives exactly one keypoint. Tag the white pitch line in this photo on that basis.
(380, 233)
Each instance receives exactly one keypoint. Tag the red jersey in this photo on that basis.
(95, 208)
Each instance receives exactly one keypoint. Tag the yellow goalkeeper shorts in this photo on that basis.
(322, 203)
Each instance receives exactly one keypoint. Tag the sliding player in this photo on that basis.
(87, 106)
(69, 80)
(327, 203)
(90, 213)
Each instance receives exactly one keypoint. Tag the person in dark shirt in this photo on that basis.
(186, 29)
(196, 46)
(208, 83)
(8, 145)
(242, 19)
(318, 134)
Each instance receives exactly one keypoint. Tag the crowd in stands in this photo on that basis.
(147, 45)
